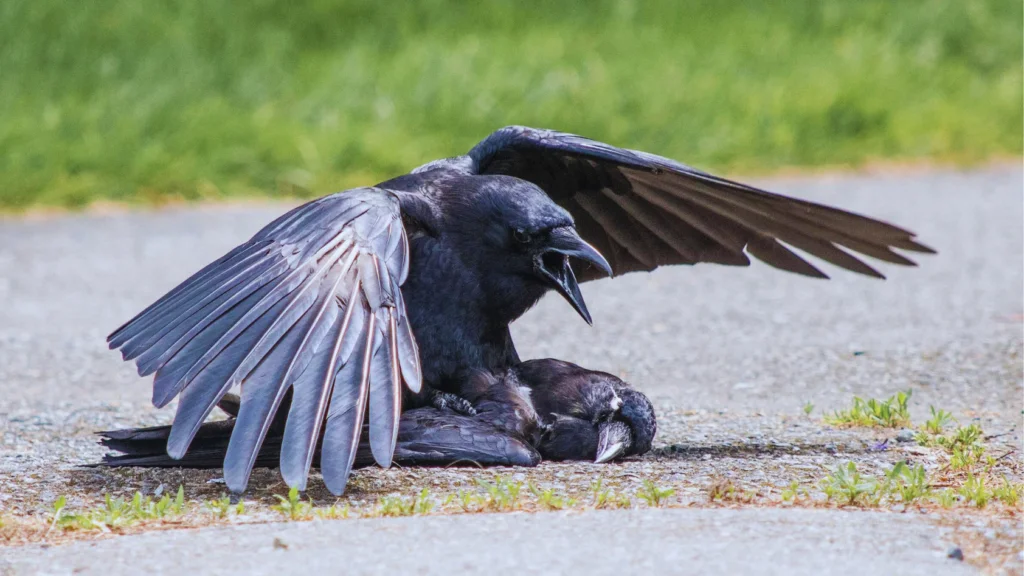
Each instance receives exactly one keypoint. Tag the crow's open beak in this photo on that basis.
(613, 439)
(553, 264)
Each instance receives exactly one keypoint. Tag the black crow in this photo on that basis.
(536, 408)
(503, 430)
(416, 280)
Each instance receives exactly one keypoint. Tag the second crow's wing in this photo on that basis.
(426, 436)
(310, 304)
(643, 211)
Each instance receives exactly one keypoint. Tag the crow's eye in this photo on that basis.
(521, 236)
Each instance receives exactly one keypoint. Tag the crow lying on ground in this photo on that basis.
(338, 302)
(580, 415)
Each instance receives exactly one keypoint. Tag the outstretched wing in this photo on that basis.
(310, 304)
(643, 211)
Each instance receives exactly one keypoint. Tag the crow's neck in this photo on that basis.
(459, 316)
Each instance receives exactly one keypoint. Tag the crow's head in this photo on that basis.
(521, 241)
(586, 414)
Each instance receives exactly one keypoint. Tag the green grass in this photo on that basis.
(117, 513)
(892, 412)
(150, 101)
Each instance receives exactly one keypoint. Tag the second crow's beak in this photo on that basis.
(553, 264)
(613, 439)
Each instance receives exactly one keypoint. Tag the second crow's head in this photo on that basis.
(586, 414)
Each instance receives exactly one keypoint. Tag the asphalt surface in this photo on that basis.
(731, 342)
(784, 542)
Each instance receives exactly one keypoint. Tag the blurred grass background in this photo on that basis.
(148, 101)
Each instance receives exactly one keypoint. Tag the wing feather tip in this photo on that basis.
(415, 385)
(299, 482)
(176, 449)
(915, 246)
(336, 485)
(381, 457)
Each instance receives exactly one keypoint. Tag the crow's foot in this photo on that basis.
(449, 401)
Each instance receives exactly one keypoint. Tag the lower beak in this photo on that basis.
(553, 264)
(613, 438)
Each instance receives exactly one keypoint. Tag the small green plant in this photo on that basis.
(58, 510)
(1008, 493)
(116, 513)
(222, 507)
(846, 485)
(794, 493)
(467, 500)
(416, 505)
(910, 483)
(336, 511)
(501, 495)
(602, 497)
(293, 507)
(892, 412)
(938, 421)
(947, 497)
(975, 492)
(654, 495)
(549, 500)
(393, 506)
(964, 437)
(808, 408)
(964, 446)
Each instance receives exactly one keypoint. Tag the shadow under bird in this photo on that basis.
(324, 314)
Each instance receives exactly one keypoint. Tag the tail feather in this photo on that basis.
(147, 448)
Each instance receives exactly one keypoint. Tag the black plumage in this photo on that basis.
(342, 300)
(538, 408)
(503, 431)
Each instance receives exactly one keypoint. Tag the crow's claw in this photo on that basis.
(449, 401)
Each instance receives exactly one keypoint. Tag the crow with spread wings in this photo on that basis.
(326, 312)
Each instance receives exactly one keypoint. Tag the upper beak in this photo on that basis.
(613, 438)
(566, 243)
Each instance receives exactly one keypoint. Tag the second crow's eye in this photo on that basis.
(521, 236)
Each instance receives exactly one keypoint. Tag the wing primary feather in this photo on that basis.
(758, 224)
(296, 280)
(173, 376)
(773, 253)
(625, 234)
(679, 209)
(157, 324)
(348, 345)
(202, 394)
(385, 396)
(270, 338)
(311, 390)
(406, 349)
(196, 322)
(347, 407)
(127, 330)
(409, 356)
(369, 278)
(860, 240)
(254, 430)
(654, 223)
(816, 246)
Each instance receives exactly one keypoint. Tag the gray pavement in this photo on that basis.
(783, 542)
(713, 346)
